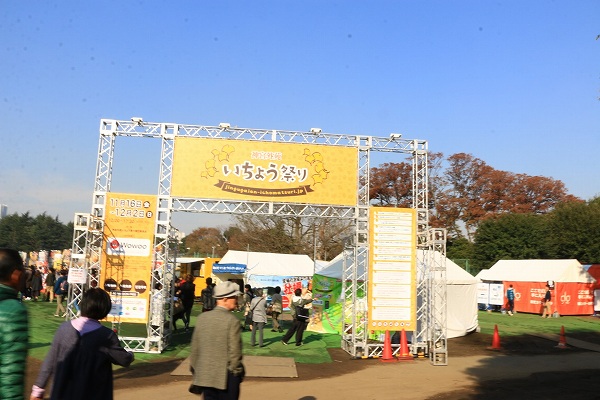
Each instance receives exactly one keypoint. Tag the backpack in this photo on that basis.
(64, 286)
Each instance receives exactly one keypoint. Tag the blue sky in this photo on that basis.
(515, 83)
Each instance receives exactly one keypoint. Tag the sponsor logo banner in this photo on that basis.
(128, 254)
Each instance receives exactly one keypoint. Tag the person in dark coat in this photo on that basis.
(82, 353)
(187, 292)
(14, 325)
(36, 284)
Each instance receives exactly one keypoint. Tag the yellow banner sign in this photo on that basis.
(127, 254)
(264, 171)
(392, 261)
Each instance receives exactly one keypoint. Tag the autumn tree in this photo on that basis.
(206, 241)
(474, 191)
(320, 237)
(391, 184)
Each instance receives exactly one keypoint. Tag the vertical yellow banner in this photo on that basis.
(392, 272)
(127, 254)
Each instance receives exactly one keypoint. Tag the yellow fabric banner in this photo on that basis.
(127, 254)
(264, 171)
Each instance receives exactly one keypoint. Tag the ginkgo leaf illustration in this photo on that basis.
(228, 149)
(318, 156)
(318, 166)
(317, 179)
(324, 174)
(306, 152)
(211, 171)
(309, 159)
(215, 152)
(203, 174)
(209, 163)
(223, 156)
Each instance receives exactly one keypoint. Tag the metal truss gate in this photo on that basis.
(88, 230)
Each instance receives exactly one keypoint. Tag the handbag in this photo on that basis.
(177, 307)
(270, 309)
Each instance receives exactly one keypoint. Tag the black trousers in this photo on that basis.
(232, 392)
(298, 328)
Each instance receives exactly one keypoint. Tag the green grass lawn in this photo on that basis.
(521, 323)
(314, 351)
(43, 325)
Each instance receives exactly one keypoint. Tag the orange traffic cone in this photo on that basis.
(404, 354)
(495, 340)
(387, 355)
(562, 342)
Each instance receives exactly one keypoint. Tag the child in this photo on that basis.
(81, 354)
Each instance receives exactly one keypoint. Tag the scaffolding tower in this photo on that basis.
(89, 227)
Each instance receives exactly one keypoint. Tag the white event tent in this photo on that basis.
(461, 296)
(265, 269)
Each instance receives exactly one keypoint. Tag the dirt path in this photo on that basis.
(464, 377)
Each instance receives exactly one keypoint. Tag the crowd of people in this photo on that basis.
(79, 361)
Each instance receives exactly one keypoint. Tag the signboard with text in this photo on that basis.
(127, 253)
(392, 261)
(264, 171)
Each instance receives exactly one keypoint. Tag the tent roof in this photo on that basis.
(538, 271)
(454, 273)
(275, 264)
(593, 270)
(481, 275)
(335, 267)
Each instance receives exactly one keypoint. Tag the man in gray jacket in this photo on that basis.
(216, 353)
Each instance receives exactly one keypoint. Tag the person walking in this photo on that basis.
(510, 296)
(216, 348)
(208, 301)
(258, 309)
(547, 303)
(61, 287)
(187, 292)
(82, 353)
(50, 281)
(14, 325)
(36, 284)
(248, 296)
(299, 317)
(276, 310)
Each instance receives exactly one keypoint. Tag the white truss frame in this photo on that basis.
(355, 277)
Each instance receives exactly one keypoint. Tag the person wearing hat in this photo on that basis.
(216, 350)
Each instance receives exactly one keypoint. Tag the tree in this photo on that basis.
(574, 229)
(391, 185)
(320, 237)
(475, 192)
(24, 233)
(510, 236)
(204, 240)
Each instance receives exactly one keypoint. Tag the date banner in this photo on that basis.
(127, 254)
(264, 171)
